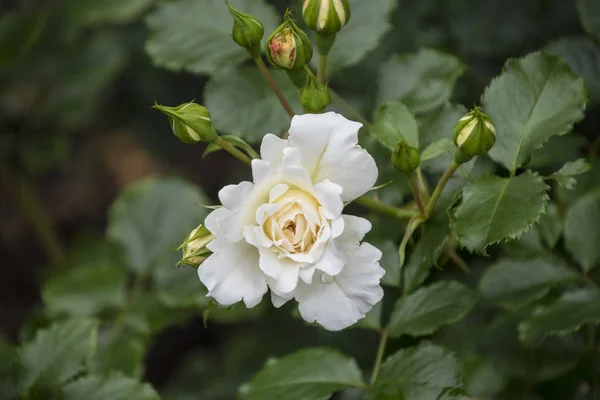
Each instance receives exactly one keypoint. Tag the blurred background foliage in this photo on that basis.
(97, 193)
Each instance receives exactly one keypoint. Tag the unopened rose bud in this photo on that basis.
(247, 31)
(190, 122)
(194, 247)
(405, 158)
(315, 96)
(474, 134)
(326, 16)
(289, 47)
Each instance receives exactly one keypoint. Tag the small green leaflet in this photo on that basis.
(515, 283)
(418, 373)
(395, 122)
(564, 316)
(492, 209)
(582, 232)
(310, 374)
(564, 176)
(422, 80)
(535, 98)
(436, 149)
(195, 36)
(428, 308)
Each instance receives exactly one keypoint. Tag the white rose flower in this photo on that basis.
(285, 231)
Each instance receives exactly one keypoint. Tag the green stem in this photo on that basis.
(269, 78)
(417, 195)
(347, 109)
(322, 69)
(460, 263)
(380, 353)
(24, 194)
(233, 150)
(440, 187)
(422, 186)
(377, 206)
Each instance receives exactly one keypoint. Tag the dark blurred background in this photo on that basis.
(76, 127)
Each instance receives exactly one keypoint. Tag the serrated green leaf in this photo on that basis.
(564, 176)
(395, 122)
(535, 98)
(428, 308)
(373, 318)
(566, 315)
(150, 219)
(583, 56)
(92, 13)
(311, 374)
(436, 126)
(124, 355)
(516, 283)
(195, 35)
(180, 287)
(416, 269)
(492, 209)
(589, 13)
(422, 80)
(417, 373)
(234, 140)
(550, 225)
(582, 232)
(238, 98)
(58, 353)
(436, 149)
(113, 387)
(557, 150)
(86, 290)
(390, 261)
(363, 33)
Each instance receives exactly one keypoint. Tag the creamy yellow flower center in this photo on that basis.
(296, 225)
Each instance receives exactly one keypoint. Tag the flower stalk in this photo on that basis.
(379, 357)
(377, 206)
(440, 188)
(231, 149)
(269, 78)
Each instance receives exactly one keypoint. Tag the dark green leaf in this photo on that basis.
(535, 98)
(582, 232)
(550, 225)
(390, 261)
(564, 316)
(422, 81)
(311, 374)
(58, 353)
(428, 308)
(492, 209)
(564, 176)
(113, 387)
(151, 218)
(368, 24)
(180, 287)
(238, 98)
(19, 31)
(125, 355)
(86, 290)
(395, 122)
(196, 35)
(100, 12)
(583, 56)
(516, 283)
(418, 373)
(589, 13)
(416, 269)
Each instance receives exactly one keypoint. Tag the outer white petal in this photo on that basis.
(260, 170)
(271, 149)
(353, 293)
(355, 229)
(328, 194)
(232, 196)
(231, 273)
(284, 272)
(224, 224)
(278, 300)
(329, 147)
(333, 260)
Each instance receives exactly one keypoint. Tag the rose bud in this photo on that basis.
(190, 122)
(315, 96)
(326, 16)
(289, 47)
(194, 250)
(247, 31)
(474, 134)
(405, 158)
